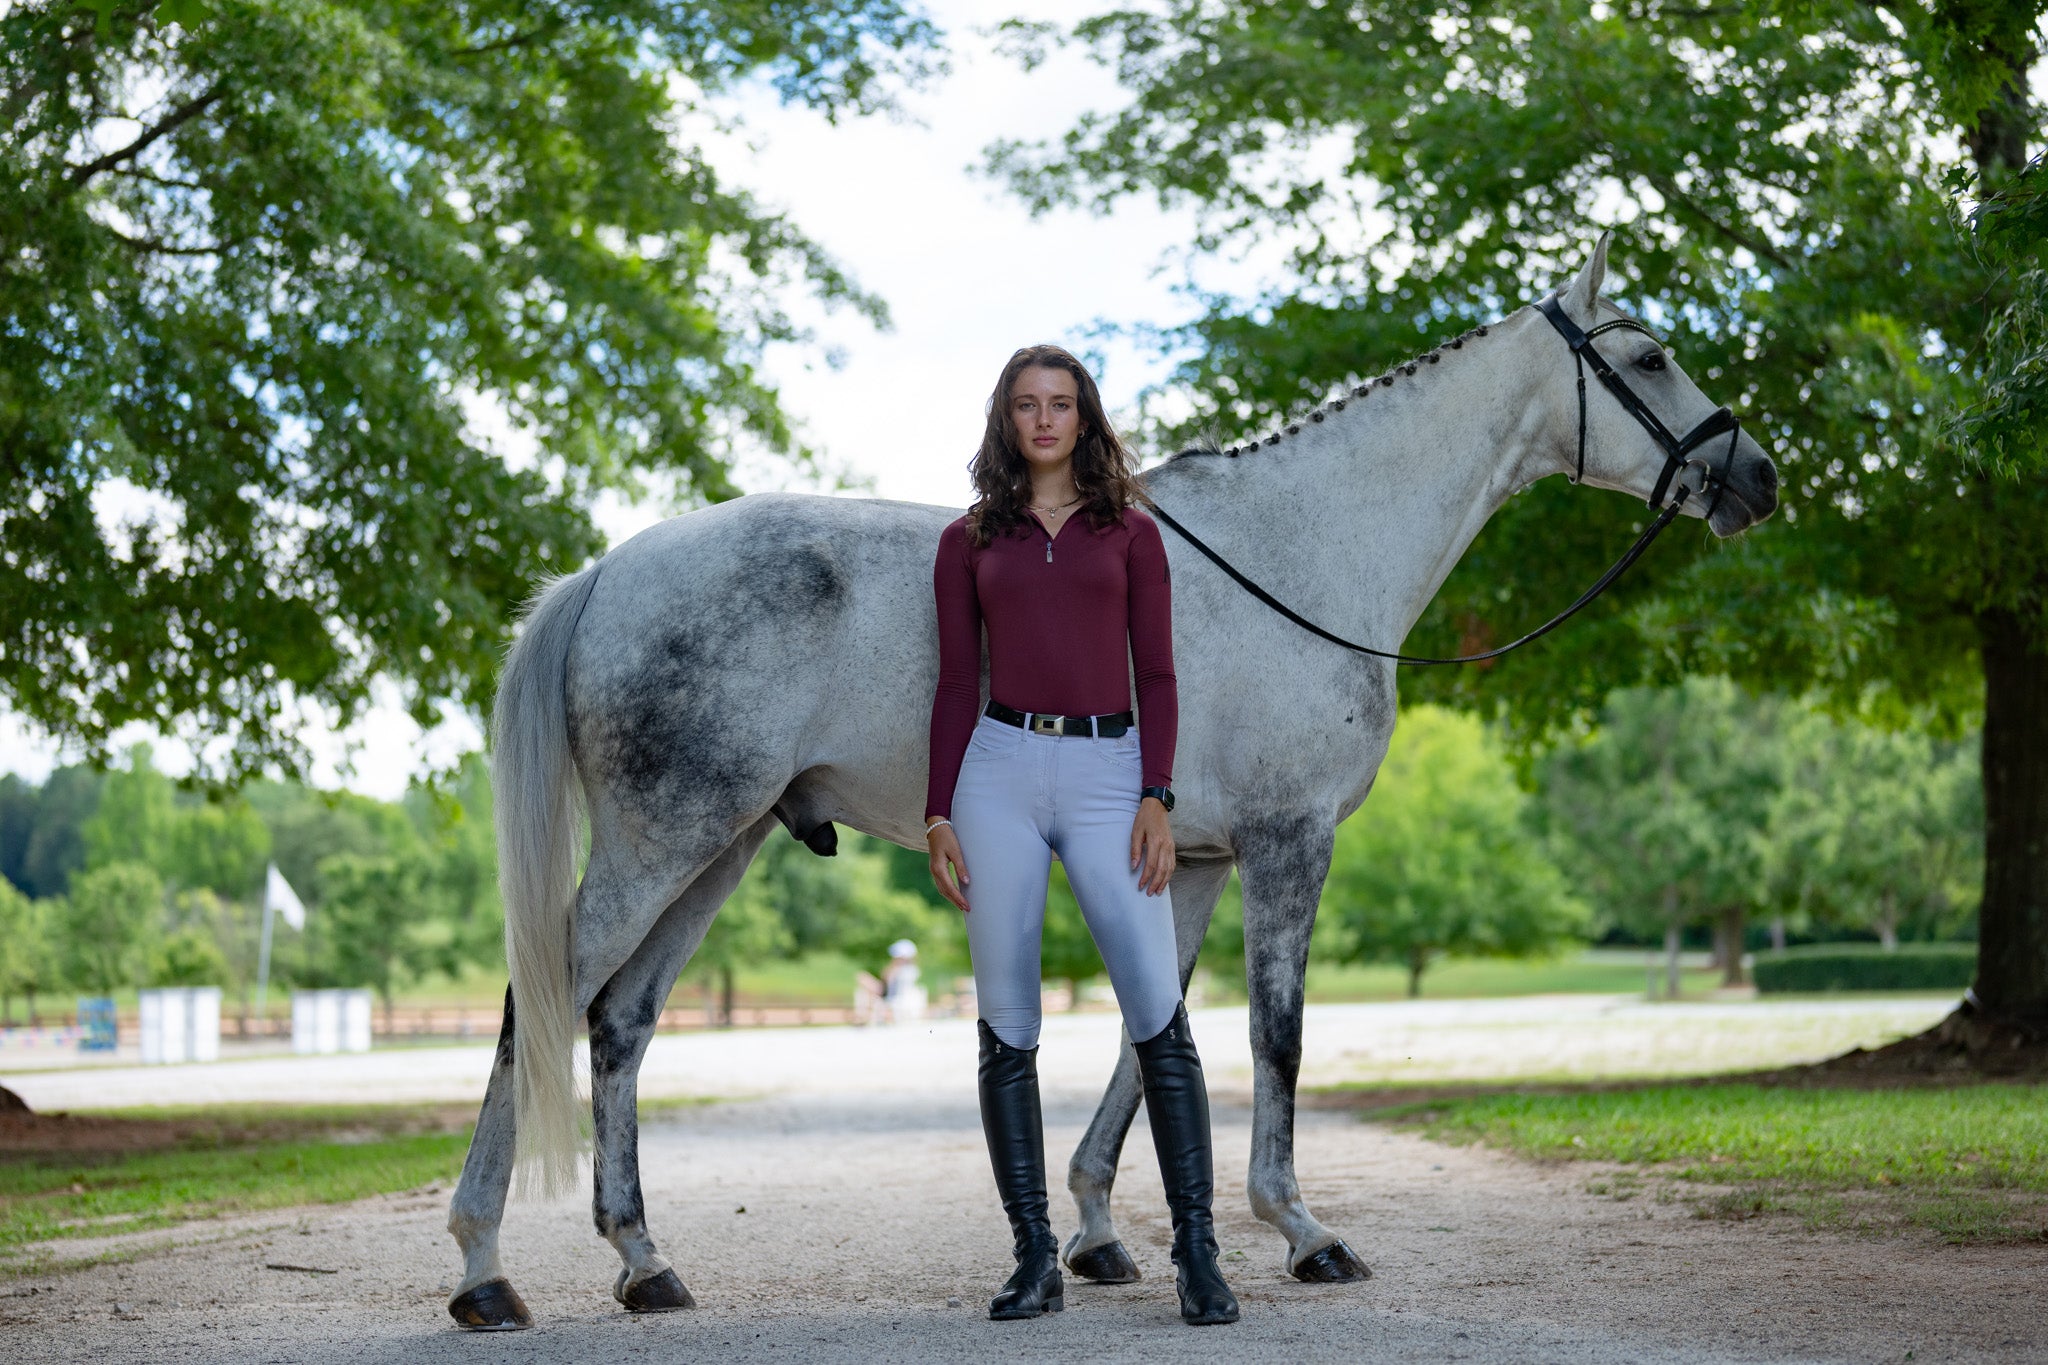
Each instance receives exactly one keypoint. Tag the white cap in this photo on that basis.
(903, 947)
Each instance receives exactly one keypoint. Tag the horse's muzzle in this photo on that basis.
(1749, 492)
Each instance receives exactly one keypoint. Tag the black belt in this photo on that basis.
(1095, 727)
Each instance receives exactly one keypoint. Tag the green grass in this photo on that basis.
(1493, 978)
(1969, 1162)
(1593, 971)
(816, 979)
(98, 1175)
(827, 979)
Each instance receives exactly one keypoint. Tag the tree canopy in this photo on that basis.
(267, 270)
(108, 922)
(1875, 830)
(1443, 858)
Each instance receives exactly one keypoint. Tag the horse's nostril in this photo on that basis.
(1767, 476)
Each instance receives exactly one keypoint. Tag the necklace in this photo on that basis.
(1053, 512)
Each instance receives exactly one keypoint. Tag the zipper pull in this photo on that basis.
(1048, 549)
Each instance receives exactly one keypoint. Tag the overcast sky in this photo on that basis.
(968, 275)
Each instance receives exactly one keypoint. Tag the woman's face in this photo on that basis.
(1045, 409)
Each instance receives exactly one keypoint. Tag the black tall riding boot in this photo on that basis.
(1015, 1130)
(1177, 1100)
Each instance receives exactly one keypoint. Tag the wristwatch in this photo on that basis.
(1165, 795)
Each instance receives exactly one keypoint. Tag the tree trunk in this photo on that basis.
(1777, 933)
(2006, 1008)
(2010, 994)
(1888, 921)
(1073, 994)
(1998, 141)
(1418, 962)
(725, 992)
(1730, 930)
(2001, 1028)
(1672, 932)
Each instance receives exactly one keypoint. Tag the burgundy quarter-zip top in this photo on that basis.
(1067, 634)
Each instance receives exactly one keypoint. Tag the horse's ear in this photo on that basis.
(1583, 292)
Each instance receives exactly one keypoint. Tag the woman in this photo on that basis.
(1069, 579)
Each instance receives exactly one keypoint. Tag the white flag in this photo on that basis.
(279, 896)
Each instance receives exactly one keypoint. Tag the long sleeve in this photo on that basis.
(957, 699)
(1151, 612)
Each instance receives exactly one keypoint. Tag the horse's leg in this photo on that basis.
(622, 1019)
(1283, 863)
(485, 1300)
(1094, 1252)
(612, 918)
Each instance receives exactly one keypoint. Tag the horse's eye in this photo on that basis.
(1653, 362)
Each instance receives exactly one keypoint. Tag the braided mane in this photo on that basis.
(1212, 446)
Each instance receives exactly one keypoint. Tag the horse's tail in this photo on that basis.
(539, 812)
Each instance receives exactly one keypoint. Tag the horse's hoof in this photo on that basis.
(493, 1306)
(1334, 1264)
(663, 1293)
(1106, 1264)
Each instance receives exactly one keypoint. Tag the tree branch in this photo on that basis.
(184, 113)
(19, 98)
(137, 173)
(1755, 246)
(506, 43)
(1664, 186)
(157, 247)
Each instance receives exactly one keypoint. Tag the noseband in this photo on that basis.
(1678, 456)
(1677, 450)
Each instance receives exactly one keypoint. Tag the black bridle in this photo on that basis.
(1678, 456)
(1677, 450)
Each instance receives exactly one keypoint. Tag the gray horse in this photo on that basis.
(771, 661)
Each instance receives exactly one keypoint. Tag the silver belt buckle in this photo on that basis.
(1045, 725)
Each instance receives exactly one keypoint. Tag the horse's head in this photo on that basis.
(1676, 441)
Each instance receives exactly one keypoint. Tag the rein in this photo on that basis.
(1677, 456)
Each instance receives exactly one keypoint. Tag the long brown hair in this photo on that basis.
(1105, 474)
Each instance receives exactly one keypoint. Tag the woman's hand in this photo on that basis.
(949, 865)
(1151, 846)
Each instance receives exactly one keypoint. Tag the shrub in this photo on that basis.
(188, 957)
(1867, 967)
(107, 924)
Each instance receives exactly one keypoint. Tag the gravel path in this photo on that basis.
(1558, 1036)
(835, 1216)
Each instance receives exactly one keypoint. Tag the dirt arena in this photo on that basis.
(836, 1205)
